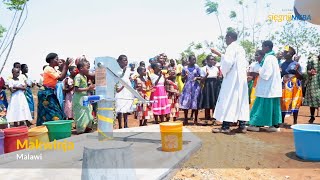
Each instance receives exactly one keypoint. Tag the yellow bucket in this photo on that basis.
(39, 133)
(171, 136)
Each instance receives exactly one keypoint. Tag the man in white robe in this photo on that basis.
(233, 101)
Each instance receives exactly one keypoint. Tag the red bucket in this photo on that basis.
(11, 137)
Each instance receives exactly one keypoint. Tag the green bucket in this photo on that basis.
(59, 129)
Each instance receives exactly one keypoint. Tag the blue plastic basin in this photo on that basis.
(307, 141)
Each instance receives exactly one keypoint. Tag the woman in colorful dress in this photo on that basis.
(292, 86)
(144, 111)
(191, 75)
(312, 97)
(49, 108)
(173, 96)
(160, 107)
(82, 114)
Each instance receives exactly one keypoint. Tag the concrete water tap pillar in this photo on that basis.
(108, 74)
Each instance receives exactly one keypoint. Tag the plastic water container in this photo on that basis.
(1, 142)
(307, 141)
(39, 133)
(59, 129)
(12, 136)
(171, 136)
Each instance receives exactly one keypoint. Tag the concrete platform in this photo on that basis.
(148, 159)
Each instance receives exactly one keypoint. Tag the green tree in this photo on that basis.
(196, 49)
(249, 49)
(17, 5)
(212, 8)
(2, 30)
(304, 38)
(244, 23)
(12, 5)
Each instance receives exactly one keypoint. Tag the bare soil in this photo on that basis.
(254, 155)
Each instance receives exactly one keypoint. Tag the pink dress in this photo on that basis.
(68, 98)
(161, 105)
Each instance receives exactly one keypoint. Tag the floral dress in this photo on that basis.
(191, 90)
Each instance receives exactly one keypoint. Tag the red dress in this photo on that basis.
(173, 98)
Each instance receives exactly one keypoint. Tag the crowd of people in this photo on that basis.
(253, 96)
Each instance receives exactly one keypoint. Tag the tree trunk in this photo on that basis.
(220, 31)
(14, 36)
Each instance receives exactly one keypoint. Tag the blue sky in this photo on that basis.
(140, 28)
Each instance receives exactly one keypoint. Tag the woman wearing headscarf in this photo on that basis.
(49, 108)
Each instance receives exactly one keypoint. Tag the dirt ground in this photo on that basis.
(254, 155)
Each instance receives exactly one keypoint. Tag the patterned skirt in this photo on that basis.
(48, 107)
(189, 98)
(161, 105)
(291, 95)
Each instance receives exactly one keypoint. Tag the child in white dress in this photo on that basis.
(18, 109)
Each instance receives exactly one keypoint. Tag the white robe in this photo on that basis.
(233, 101)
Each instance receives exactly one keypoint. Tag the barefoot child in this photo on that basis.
(173, 96)
(18, 109)
(161, 106)
(68, 89)
(142, 86)
(82, 114)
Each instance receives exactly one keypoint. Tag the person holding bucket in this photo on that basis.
(49, 108)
